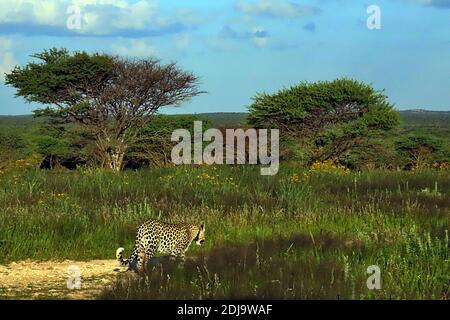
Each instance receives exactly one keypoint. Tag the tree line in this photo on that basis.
(104, 109)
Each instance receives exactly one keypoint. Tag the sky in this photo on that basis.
(241, 47)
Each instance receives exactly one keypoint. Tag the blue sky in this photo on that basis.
(240, 47)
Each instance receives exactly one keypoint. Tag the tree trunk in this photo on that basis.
(117, 160)
(112, 153)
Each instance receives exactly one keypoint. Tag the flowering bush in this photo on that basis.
(30, 162)
(298, 177)
(441, 166)
(328, 166)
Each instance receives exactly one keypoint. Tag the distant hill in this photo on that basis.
(421, 118)
(224, 119)
(219, 119)
(18, 120)
(412, 119)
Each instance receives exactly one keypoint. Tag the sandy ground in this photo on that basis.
(56, 279)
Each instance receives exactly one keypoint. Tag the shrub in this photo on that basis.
(328, 118)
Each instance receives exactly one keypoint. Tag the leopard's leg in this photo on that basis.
(141, 260)
(179, 253)
(144, 256)
(182, 259)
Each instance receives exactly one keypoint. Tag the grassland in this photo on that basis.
(299, 234)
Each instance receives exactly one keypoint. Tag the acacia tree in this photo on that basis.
(112, 97)
(327, 117)
(420, 150)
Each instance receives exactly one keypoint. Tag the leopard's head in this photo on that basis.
(199, 232)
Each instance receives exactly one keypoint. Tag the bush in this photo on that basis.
(421, 150)
(154, 145)
(327, 118)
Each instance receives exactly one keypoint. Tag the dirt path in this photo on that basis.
(49, 280)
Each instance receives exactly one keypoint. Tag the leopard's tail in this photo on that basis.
(124, 262)
(135, 262)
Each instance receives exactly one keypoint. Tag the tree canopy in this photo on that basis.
(112, 97)
(329, 117)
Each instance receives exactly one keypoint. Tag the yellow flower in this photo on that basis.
(328, 166)
(442, 166)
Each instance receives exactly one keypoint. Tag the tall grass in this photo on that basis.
(396, 220)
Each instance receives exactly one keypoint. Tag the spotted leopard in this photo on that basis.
(155, 236)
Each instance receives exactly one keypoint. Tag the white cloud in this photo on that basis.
(275, 8)
(98, 17)
(106, 16)
(7, 61)
(189, 16)
(260, 42)
(135, 48)
(259, 37)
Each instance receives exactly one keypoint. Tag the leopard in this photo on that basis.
(155, 236)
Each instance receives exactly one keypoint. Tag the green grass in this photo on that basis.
(314, 238)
